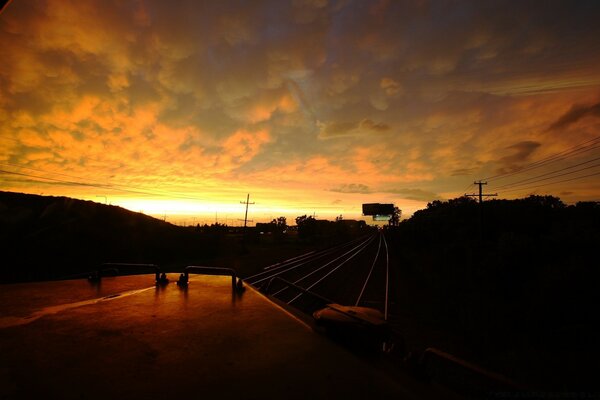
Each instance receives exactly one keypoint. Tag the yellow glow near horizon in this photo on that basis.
(177, 207)
(181, 209)
(189, 212)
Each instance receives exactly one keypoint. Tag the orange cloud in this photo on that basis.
(414, 99)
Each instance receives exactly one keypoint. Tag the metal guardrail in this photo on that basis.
(236, 284)
(113, 266)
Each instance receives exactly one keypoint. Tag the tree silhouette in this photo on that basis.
(395, 217)
(307, 227)
(280, 224)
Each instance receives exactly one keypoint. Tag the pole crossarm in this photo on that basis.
(481, 195)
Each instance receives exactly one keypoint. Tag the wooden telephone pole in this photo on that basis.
(247, 203)
(481, 195)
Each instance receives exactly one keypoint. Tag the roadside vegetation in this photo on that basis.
(512, 284)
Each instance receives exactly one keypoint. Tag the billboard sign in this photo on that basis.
(378, 209)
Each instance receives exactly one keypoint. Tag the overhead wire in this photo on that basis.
(100, 186)
(94, 182)
(553, 183)
(582, 147)
(468, 186)
(86, 182)
(535, 178)
(104, 185)
(529, 183)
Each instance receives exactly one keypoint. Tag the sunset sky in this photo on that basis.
(182, 108)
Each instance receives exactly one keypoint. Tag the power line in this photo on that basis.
(583, 147)
(468, 186)
(114, 186)
(535, 178)
(481, 195)
(101, 186)
(41, 177)
(553, 183)
(47, 172)
(548, 161)
(117, 187)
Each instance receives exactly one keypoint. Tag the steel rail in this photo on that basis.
(282, 264)
(387, 278)
(293, 266)
(335, 269)
(324, 299)
(333, 250)
(289, 260)
(287, 263)
(370, 272)
(364, 244)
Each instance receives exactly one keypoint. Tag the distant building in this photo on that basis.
(265, 227)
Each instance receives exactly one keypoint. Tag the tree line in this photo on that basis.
(515, 279)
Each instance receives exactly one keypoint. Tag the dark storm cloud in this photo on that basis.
(576, 113)
(364, 127)
(416, 194)
(520, 153)
(352, 188)
(463, 171)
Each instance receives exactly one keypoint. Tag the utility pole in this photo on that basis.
(481, 195)
(247, 203)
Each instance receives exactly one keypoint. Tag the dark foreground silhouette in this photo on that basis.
(512, 285)
(46, 237)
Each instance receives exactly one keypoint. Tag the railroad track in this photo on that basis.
(358, 274)
(355, 273)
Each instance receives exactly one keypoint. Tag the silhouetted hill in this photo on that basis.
(45, 237)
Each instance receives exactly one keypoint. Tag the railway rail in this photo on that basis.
(350, 290)
(353, 273)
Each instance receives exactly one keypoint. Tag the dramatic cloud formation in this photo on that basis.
(352, 188)
(576, 113)
(310, 106)
(417, 194)
(364, 127)
(520, 153)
